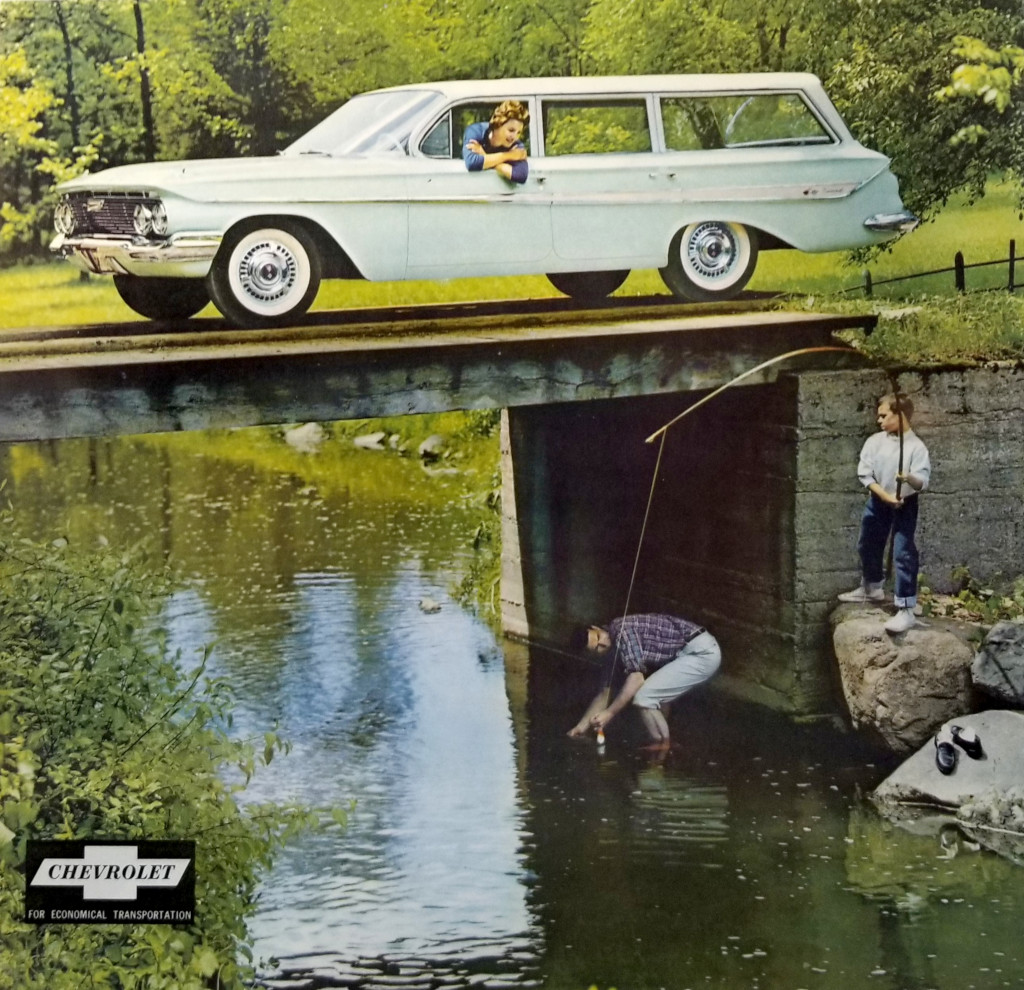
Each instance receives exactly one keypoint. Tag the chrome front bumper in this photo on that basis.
(187, 255)
(893, 222)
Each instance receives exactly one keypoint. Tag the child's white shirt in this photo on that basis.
(880, 459)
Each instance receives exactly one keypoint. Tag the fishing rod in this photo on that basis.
(891, 542)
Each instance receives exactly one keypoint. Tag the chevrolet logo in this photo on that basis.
(94, 205)
(110, 873)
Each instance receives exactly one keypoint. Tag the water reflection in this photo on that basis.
(486, 849)
(407, 712)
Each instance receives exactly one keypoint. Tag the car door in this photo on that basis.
(464, 223)
(600, 170)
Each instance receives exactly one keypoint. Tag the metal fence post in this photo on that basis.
(958, 270)
(867, 283)
(1013, 265)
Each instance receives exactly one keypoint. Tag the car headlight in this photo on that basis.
(142, 220)
(150, 218)
(158, 216)
(64, 217)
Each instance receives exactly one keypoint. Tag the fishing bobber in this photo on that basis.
(600, 737)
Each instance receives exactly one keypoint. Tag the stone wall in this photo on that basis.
(973, 514)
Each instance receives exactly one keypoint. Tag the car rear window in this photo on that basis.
(696, 123)
(576, 127)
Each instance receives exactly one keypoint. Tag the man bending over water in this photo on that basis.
(662, 657)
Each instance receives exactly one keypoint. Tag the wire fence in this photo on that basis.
(958, 269)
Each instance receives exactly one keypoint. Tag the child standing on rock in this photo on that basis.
(894, 466)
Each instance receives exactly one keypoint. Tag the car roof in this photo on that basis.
(613, 85)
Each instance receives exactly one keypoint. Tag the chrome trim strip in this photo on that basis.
(662, 195)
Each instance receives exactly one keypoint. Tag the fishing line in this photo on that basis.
(636, 560)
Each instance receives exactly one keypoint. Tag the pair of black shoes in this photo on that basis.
(945, 750)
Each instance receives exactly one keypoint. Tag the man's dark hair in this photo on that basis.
(579, 639)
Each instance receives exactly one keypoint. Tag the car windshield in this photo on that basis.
(370, 125)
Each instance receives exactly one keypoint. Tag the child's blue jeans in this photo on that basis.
(875, 524)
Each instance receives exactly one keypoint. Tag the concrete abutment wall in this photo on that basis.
(754, 512)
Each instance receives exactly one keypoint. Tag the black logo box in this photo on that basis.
(151, 905)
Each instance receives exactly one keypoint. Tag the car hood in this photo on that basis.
(217, 178)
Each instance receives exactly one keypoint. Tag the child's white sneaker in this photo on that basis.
(903, 620)
(863, 594)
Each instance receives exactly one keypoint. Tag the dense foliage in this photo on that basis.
(105, 735)
(113, 81)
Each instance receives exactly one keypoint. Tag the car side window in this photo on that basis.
(576, 127)
(438, 141)
(445, 138)
(695, 123)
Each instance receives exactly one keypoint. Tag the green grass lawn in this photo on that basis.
(54, 294)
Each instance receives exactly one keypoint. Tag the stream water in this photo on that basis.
(485, 849)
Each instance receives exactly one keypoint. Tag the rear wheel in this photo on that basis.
(710, 260)
(265, 276)
(162, 298)
(588, 286)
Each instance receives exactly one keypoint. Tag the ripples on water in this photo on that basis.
(485, 849)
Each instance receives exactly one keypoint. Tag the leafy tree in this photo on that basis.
(75, 50)
(330, 53)
(716, 36)
(528, 38)
(103, 734)
(27, 158)
(988, 84)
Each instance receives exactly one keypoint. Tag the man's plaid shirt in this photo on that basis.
(643, 643)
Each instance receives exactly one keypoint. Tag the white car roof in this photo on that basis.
(612, 85)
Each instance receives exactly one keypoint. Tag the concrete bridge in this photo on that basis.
(580, 391)
(128, 379)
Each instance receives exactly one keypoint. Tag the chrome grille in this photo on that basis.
(106, 213)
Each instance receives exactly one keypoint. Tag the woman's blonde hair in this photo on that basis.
(510, 110)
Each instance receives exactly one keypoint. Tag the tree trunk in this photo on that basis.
(71, 97)
(145, 93)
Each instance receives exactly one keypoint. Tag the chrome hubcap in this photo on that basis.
(267, 271)
(711, 250)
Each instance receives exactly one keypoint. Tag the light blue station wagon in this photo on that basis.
(690, 174)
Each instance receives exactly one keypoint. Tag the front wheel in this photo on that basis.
(587, 286)
(710, 260)
(265, 276)
(162, 298)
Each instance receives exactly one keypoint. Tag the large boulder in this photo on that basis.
(998, 668)
(899, 688)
